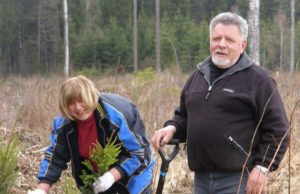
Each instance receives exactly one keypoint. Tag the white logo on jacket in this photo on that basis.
(228, 90)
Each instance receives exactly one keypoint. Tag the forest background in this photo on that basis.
(100, 34)
(101, 47)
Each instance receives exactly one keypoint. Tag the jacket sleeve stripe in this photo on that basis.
(57, 123)
(127, 138)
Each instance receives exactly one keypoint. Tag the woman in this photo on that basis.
(86, 118)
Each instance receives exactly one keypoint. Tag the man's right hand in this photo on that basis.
(37, 191)
(162, 136)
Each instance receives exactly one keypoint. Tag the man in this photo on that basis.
(230, 114)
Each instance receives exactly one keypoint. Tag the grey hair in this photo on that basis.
(227, 18)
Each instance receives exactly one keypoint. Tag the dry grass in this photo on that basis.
(155, 96)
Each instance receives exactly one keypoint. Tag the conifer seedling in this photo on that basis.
(103, 158)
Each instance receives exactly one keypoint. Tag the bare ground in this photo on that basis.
(29, 104)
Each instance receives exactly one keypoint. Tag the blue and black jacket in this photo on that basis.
(113, 114)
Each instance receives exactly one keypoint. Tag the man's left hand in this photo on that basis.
(256, 183)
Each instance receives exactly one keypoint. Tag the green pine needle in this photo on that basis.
(103, 158)
(8, 164)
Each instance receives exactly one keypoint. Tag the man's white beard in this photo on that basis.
(221, 63)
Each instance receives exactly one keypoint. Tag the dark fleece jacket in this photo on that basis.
(219, 120)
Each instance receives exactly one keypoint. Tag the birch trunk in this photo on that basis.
(292, 60)
(66, 38)
(135, 37)
(39, 34)
(254, 31)
(157, 34)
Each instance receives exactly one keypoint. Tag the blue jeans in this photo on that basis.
(219, 183)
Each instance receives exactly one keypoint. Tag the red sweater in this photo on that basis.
(87, 135)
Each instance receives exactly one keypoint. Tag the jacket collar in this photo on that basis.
(243, 63)
(100, 107)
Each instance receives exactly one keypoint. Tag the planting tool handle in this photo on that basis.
(165, 161)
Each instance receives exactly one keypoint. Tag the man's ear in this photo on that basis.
(244, 45)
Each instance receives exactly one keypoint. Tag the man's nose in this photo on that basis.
(222, 43)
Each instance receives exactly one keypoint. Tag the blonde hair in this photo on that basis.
(78, 88)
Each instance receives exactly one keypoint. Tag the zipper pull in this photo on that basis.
(238, 145)
(208, 92)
